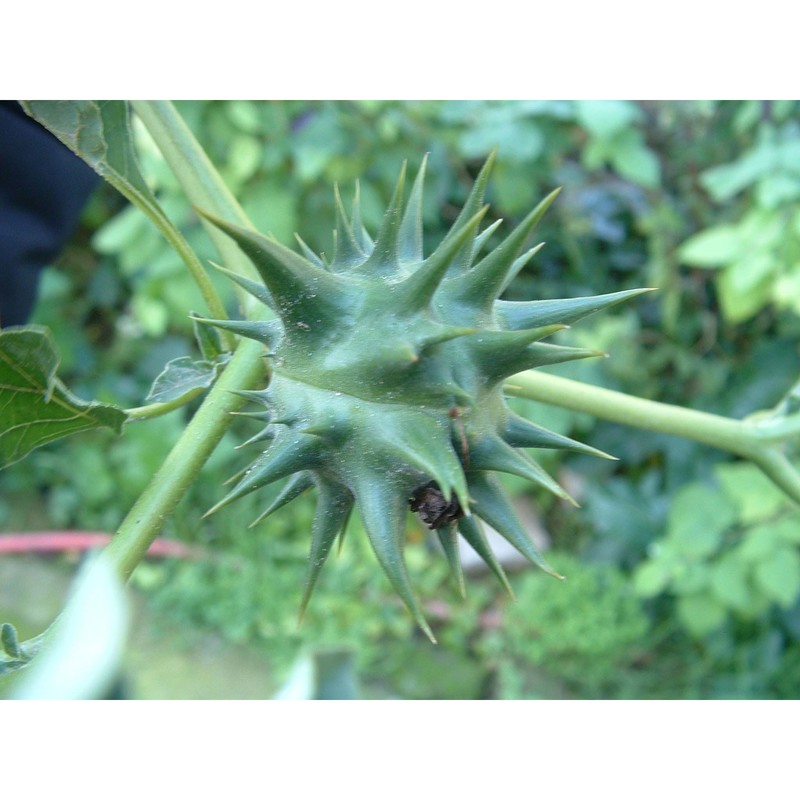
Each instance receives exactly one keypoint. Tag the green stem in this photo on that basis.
(775, 429)
(198, 176)
(192, 262)
(169, 484)
(710, 429)
(204, 187)
(159, 409)
(780, 471)
(200, 181)
(744, 438)
(127, 183)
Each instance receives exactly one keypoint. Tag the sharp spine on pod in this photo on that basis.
(374, 351)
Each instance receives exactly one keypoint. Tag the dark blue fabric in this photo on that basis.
(43, 189)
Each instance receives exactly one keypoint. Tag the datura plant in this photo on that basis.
(387, 366)
(387, 379)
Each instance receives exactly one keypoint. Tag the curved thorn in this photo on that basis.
(333, 507)
(517, 267)
(493, 506)
(383, 509)
(254, 288)
(295, 486)
(474, 200)
(516, 315)
(347, 252)
(449, 541)
(384, 256)
(481, 285)
(362, 238)
(472, 531)
(520, 432)
(309, 253)
(493, 454)
(288, 276)
(410, 236)
(417, 290)
(266, 332)
(289, 453)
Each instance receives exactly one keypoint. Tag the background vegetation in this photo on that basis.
(682, 564)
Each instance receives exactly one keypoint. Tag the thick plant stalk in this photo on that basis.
(199, 179)
(720, 432)
(169, 484)
(741, 437)
(203, 186)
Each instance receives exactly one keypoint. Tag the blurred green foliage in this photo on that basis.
(580, 632)
(730, 551)
(756, 246)
(682, 566)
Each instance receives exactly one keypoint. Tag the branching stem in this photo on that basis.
(159, 409)
(179, 470)
(742, 437)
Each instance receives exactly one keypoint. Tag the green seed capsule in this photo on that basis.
(387, 377)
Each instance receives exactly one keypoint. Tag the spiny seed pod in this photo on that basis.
(387, 378)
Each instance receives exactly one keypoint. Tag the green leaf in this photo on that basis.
(689, 578)
(274, 204)
(778, 576)
(245, 154)
(755, 496)
(652, 577)
(605, 118)
(786, 290)
(316, 142)
(121, 233)
(99, 132)
(632, 159)
(700, 613)
(760, 543)
(776, 190)
(183, 377)
(713, 247)
(788, 529)
(746, 275)
(37, 407)
(727, 180)
(729, 583)
(516, 141)
(698, 518)
(746, 286)
(245, 114)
